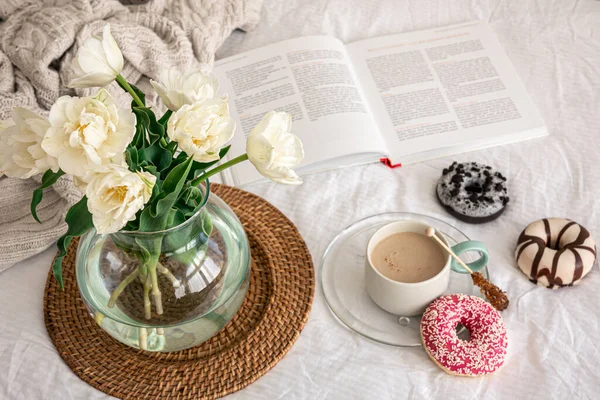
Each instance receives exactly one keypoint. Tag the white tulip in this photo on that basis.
(177, 89)
(202, 128)
(115, 195)
(21, 154)
(98, 61)
(87, 132)
(274, 150)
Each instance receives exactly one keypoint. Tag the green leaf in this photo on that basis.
(139, 139)
(172, 146)
(180, 159)
(182, 156)
(159, 157)
(176, 217)
(153, 170)
(132, 225)
(176, 178)
(190, 201)
(149, 250)
(165, 119)
(189, 242)
(194, 193)
(207, 225)
(223, 152)
(131, 156)
(154, 217)
(155, 130)
(193, 210)
(79, 221)
(183, 205)
(48, 179)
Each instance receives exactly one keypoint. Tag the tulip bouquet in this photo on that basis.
(136, 171)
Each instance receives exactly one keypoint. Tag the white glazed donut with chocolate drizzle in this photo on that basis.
(555, 252)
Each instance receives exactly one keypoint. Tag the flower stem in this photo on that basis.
(119, 289)
(163, 270)
(147, 304)
(143, 338)
(155, 290)
(130, 90)
(219, 168)
(98, 318)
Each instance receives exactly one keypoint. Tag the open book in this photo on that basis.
(409, 97)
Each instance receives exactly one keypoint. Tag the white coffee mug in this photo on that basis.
(409, 299)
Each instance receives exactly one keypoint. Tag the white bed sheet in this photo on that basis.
(554, 336)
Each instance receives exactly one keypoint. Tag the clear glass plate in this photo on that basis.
(343, 282)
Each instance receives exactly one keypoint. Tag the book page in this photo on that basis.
(312, 79)
(442, 91)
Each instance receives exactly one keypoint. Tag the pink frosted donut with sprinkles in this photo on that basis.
(483, 354)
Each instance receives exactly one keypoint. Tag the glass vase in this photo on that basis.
(177, 301)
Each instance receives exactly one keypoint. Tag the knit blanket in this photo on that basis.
(38, 40)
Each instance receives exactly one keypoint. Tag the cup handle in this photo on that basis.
(470, 245)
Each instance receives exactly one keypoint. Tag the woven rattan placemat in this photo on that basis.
(273, 314)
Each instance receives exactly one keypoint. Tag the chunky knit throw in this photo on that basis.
(38, 40)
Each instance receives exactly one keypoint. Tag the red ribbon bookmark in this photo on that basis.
(388, 163)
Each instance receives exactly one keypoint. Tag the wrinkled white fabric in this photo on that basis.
(554, 335)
